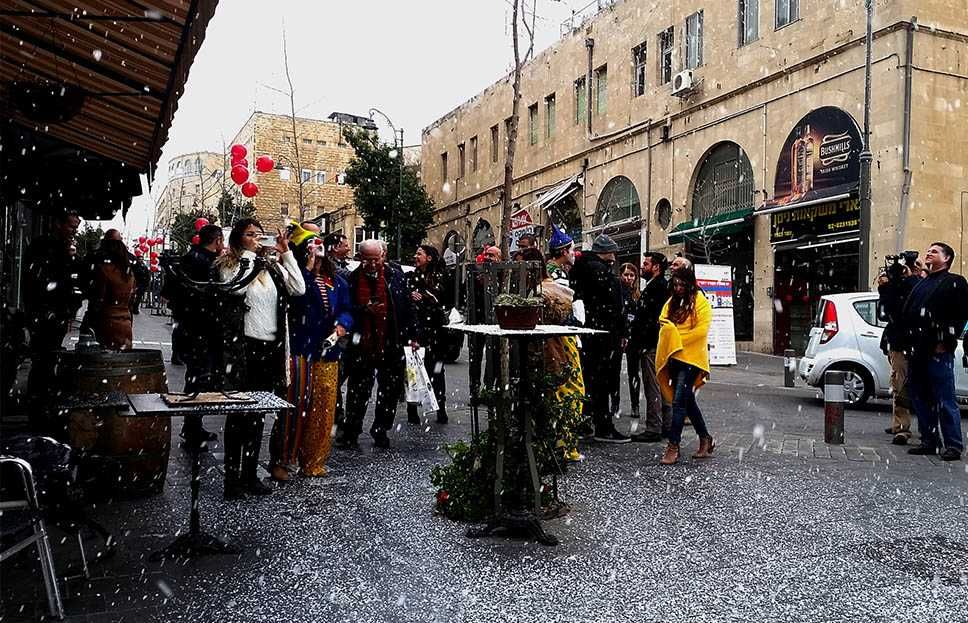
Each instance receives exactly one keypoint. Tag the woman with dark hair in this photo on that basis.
(426, 285)
(682, 360)
(257, 337)
(112, 288)
(317, 319)
(629, 276)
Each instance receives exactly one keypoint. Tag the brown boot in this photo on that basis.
(671, 455)
(706, 447)
(280, 473)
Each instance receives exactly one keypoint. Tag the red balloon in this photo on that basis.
(141, 239)
(250, 189)
(160, 240)
(154, 268)
(153, 256)
(239, 151)
(196, 239)
(144, 248)
(239, 174)
(264, 164)
(236, 162)
(138, 252)
(200, 222)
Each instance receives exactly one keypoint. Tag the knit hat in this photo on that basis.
(559, 239)
(604, 244)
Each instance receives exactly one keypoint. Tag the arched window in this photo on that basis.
(456, 244)
(567, 217)
(724, 183)
(663, 213)
(619, 201)
(483, 235)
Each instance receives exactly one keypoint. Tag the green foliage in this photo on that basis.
(516, 300)
(88, 239)
(374, 174)
(232, 207)
(183, 229)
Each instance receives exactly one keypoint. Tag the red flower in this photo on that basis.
(442, 497)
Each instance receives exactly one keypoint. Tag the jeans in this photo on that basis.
(931, 382)
(684, 404)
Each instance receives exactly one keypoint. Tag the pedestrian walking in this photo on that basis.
(933, 318)
(629, 275)
(598, 288)
(894, 285)
(645, 330)
(193, 313)
(113, 286)
(257, 359)
(383, 322)
(427, 293)
(317, 320)
(682, 360)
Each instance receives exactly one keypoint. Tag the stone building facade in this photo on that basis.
(729, 131)
(194, 181)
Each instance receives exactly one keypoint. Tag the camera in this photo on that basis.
(894, 265)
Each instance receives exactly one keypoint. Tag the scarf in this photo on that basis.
(374, 330)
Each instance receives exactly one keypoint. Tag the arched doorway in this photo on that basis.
(455, 243)
(483, 236)
(721, 230)
(618, 214)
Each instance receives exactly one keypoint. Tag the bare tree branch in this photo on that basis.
(292, 116)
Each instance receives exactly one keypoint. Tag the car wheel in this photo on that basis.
(858, 385)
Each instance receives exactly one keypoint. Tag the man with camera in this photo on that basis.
(894, 285)
(932, 318)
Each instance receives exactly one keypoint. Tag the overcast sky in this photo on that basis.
(414, 60)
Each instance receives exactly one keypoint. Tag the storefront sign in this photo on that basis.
(521, 224)
(820, 159)
(822, 219)
(717, 284)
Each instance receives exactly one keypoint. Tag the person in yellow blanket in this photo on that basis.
(682, 360)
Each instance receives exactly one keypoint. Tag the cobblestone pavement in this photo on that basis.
(778, 527)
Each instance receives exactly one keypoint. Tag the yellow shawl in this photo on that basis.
(686, 342)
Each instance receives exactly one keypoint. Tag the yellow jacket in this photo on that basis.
(686, 342)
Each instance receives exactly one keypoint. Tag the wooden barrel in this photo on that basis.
(138, 446)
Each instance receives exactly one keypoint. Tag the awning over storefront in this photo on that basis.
(723, 224)
(89, 90)
(558, 192)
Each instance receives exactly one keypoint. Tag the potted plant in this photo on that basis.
(514, 311)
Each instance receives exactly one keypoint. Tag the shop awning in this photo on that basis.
(836, 193)
(719, 225)
(558, 192)
(96, 79)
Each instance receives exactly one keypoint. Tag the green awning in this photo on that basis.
(723, 224)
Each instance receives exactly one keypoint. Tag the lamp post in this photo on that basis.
(863, 264)
(398, 201)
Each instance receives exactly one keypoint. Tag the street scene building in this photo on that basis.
(731, 136)
(194, 181)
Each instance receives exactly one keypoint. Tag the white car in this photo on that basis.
(846, 335)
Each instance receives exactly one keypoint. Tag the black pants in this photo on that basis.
(600, 374)
(199, 362)
(361, 370)
(45, 339)
(243, 431)
(479, 348)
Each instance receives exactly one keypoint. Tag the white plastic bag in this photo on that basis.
(417, 382)
(455, 317)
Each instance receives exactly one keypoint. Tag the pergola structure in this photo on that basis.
(88, 91)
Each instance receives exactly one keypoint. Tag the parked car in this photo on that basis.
(846, 335)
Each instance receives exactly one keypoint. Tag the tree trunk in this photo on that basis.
(295, 139)
(507, 193)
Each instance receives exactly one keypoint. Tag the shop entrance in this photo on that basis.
(802, 275)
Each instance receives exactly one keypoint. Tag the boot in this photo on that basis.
(412, 416)
(671, 455)
(442, 415)
(706, 447)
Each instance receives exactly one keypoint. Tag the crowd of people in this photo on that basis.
(284, 313)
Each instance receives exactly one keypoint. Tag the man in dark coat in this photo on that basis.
(52, 296)
(645, 327)
(599, 289)
(383, 325)
(933, 318)
(196, 326)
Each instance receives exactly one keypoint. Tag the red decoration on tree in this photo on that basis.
(200, 222)
(239, 174)
(141, 239)
(144, 248)
(264, 164)
(154, 268)
(196, 239)
(160, 240)
(239, 151)
(250, 189)
(138, 252)
(153, 255)
(442, 497)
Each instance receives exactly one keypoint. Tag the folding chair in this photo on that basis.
(19, 494)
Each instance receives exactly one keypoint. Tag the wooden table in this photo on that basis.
(197, 542)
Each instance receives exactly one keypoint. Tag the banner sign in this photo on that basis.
(521, 224)
(820, 159)
(717, 284)
(824, 219)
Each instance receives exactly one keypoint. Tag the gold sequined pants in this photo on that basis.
(305, 434)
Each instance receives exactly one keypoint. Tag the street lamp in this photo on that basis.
(863, 264)
(397, 208)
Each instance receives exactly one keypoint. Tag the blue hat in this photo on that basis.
(559, 239)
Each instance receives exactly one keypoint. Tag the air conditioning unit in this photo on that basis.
(683, 82)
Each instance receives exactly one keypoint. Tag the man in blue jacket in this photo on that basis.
(383, 326)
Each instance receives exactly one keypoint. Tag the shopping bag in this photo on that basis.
(427, 398)
(417, 382)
